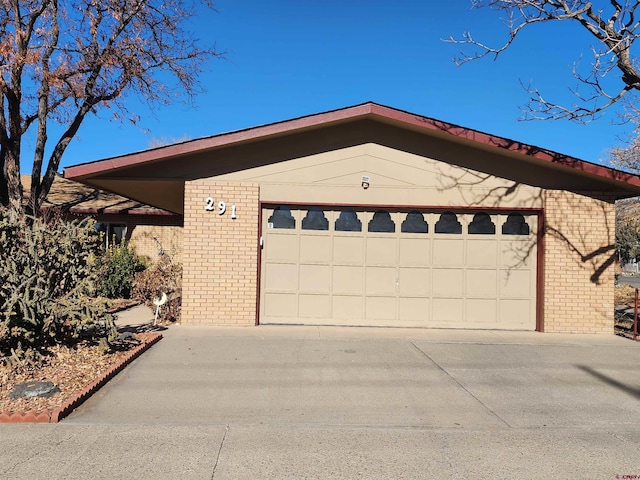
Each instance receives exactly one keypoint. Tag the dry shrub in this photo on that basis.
(164, 276)
(624, 294)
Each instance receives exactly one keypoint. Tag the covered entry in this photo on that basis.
(410, 267)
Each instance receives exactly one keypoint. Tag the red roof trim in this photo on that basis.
(347, 114)
(219, 140)
(506, 144)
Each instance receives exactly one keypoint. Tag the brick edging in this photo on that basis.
(72, 403)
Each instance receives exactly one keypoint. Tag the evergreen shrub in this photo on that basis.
(117, 266)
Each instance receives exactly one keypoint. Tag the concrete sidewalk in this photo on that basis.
(332, 402)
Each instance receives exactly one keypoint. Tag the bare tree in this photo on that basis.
(614, 28)
(157, 142)
(61, 60)
(627, 154)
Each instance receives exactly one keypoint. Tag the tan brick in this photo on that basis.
(577, 239)
(221, 251)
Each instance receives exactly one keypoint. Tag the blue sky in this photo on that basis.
(289, 58)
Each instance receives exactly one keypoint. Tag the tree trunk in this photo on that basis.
(4, 191)
(14, 187)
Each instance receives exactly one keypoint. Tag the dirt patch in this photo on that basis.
(72, 370)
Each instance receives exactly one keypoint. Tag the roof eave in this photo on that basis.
(403, 119)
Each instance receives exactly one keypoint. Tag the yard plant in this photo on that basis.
(48, 286)
(164, 276)
(117, 266)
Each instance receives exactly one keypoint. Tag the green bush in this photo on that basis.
(117, 267)
(47, 285)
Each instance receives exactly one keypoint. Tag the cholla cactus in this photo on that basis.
(47, 283)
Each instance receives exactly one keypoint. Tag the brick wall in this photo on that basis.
(579, 254)
(220, 254)
(148, 239)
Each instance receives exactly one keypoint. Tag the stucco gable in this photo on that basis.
(419, 180)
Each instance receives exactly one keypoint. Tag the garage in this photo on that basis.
(374, 216)
(406, 267)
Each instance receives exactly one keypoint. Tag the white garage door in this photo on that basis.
(386, 267)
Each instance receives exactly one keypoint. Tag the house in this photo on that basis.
(148, 228)
(369, 215)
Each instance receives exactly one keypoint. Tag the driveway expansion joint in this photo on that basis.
(426, 355)
(215, 466)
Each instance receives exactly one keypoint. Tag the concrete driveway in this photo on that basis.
(633, 280)
(330, 402)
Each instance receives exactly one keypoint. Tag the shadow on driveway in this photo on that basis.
(635, 392)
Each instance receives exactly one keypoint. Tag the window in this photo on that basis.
(448, 223)
(381, 222)
(414, 223)
(348, 221)
(315, 220)
(482, 225)
(112, 233)
(282, 218)
(515, 225)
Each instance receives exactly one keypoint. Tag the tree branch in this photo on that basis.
(83, 56)
(615, 33)
(43, 108)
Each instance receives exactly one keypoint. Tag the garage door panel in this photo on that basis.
(415, 252)
(515, 312)
(315, 278)
(315, 306)
(448, 282)
(414, 282)
(348, 279)
(380, 280)
(282, 277)
(381, 251)
(481, 310)
(381, 309)
(281, 305)
(315, 249)
(348, 249)
(482, 253)
(448, 311)
(413, 309)
(517, 253)
(481, 282)
(348, 308)
(282, 247)
(448, 252)
(515, 283)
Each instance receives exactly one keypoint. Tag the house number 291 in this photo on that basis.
(210, 206)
